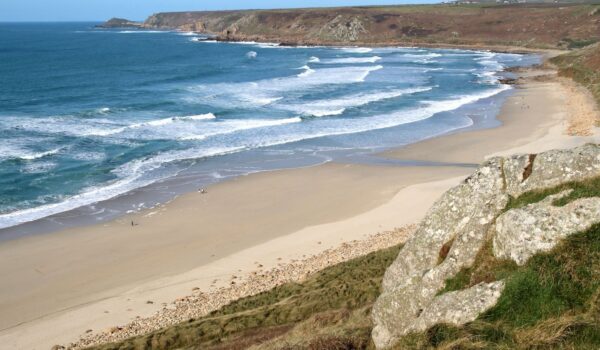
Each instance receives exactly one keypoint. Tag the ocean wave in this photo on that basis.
(337, 106)
(231, 126)
(132, 175)
(314, 59)
(152, 123)
(429, 55)
(488, 77)
(427, 110)
(356, 49)
(143, 172)
(38, 155)
(179, 128)
(236, 94)
(203, 40)
(251, 55)
(352, 60)
(307, 71)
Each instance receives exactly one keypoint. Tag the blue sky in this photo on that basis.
(84, 10)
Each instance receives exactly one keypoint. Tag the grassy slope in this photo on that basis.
(328, 295)
(533, 26)
(583, 66)
(551, 302)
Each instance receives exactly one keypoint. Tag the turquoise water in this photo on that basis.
(89, 115)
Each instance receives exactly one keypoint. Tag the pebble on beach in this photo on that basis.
(201, 304)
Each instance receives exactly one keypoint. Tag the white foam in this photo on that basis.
(351, 60)
(307, 71)
(429, 55)
(269, 45)
(142, 31)
(251, 55)
(337, 106)
(357, 49)
(203, 40)
(132, 175)
(89, 156)
(366, 74)
(145, 171)
(34, 156)
(206, 116)
(314, 59)
(152, 123)
(231, 126)
(237, 94)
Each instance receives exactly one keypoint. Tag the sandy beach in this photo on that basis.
(59, 286)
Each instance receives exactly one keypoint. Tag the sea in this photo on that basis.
(97, 123)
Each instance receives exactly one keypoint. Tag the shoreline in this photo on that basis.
(83, 216)
(377, 194)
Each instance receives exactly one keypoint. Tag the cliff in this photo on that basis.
(533, 26)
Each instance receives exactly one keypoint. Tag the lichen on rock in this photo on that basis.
(539, 227)
(457, 227)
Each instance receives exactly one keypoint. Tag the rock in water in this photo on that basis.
(120, 23)
(455, 229)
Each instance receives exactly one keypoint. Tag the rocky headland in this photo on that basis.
(532, 26)
(120, 23)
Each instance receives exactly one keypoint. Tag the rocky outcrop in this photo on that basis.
(342, 29)
(453, 232)
(119, 23)
(539, 227)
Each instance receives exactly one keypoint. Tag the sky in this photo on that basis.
(100, 10)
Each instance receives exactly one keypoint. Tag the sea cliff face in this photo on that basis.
(535, 26)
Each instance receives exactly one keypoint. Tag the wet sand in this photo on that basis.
(55, 287)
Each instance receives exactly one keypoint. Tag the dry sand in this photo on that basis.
(57, 286)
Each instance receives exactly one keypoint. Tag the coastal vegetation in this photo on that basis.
(583, 66)
(520, 25)
(551, 302)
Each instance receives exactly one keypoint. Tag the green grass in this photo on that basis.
(552, 302)
(578, 44)
(348, 286)
(583, 189)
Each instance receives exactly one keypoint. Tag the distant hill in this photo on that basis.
(537, 25)
(120, 23)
